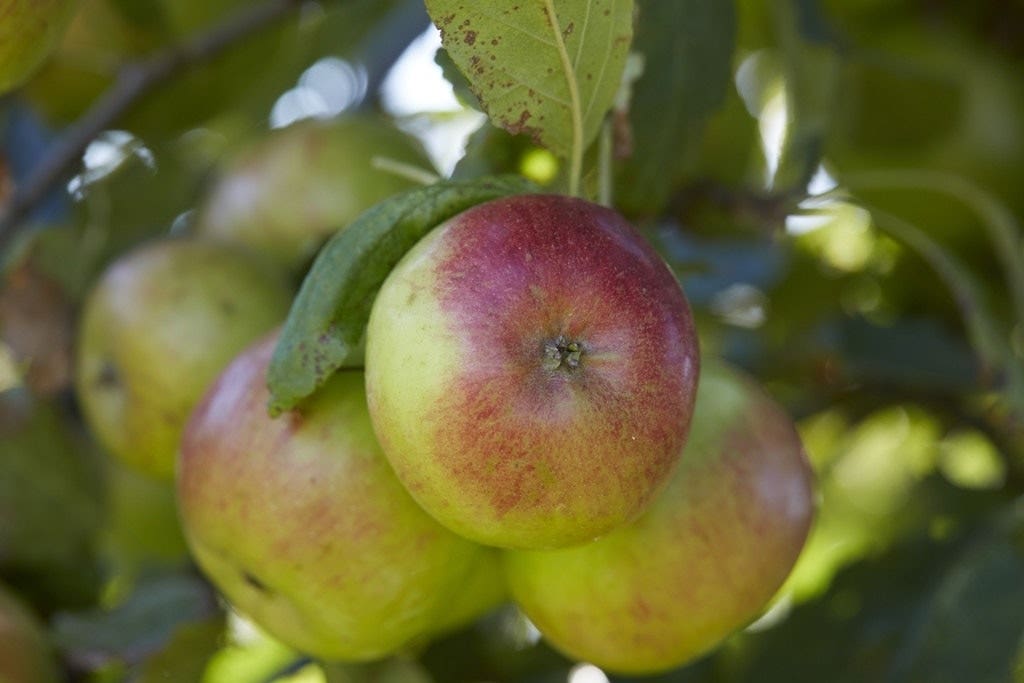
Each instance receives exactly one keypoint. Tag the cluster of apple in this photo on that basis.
(528, 425)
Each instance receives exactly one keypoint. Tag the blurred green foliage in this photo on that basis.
(835, 182)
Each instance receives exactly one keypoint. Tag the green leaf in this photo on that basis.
(812, 67)
(327, 321)
(140, 627)
(549, 68)
(687, 47)
(982, 328)
(187, 653)
(975, 621)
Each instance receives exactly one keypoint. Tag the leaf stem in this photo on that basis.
(604, 167)
(576, 155)
(401, 169)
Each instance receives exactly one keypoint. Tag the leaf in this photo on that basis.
(687, 47)
(975, 621)
(880, 614)
(811, 62)
(187, 653)
(982, 328)
(328, 318)
(536, 65)
(139, 627)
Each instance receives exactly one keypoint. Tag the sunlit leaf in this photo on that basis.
(542, 67)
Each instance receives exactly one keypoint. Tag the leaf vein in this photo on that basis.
(515, 27)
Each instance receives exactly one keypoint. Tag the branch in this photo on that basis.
(134, 82)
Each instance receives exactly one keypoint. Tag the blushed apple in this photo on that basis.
(301, 523)
(530, 368)
(156, 329)
(702, 562)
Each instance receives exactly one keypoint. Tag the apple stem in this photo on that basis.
(562, 353)
(404, 170)
(576, 153)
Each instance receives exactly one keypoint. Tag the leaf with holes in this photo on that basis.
(549, 68)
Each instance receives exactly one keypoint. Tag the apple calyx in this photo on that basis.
(562, 354)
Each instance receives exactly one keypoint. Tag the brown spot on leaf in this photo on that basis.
(470, 37)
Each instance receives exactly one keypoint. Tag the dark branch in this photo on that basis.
(134, 82)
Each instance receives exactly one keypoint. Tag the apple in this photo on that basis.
(291, 190)
(25, 655)
(531, 367)
(702, 562)
(302, 525)
(159, 325)
(29, 29)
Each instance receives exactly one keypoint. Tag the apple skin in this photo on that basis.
(287, 193)
(702, 562)
(531, 367)
(25, 654)
(29, 29)
(156, 329)
(302, 525)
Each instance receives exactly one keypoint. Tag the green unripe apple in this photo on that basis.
(531, 367)
(702, 562)
(302, 525)
(159, 325)
(290, 191)
(29, 29)
(25, 655)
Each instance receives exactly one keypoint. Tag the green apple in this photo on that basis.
(302, 525)
(159, 325)
(702, 562)
(531, 366)
(29, 29)
(481, 593)
(290, 191)
(25, 655)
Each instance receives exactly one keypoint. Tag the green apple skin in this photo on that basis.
(29, 29)
(484, 591)
(25, 654)
(286, 194)
(302, 525)
(702, 562)
(531, 367)
(158, 327)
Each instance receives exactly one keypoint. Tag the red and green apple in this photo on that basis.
(702, 562)
(302, 525)
(531, 367)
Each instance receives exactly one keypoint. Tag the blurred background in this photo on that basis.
(837, 184)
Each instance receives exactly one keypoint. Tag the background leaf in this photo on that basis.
(687, 47)
(509, 52)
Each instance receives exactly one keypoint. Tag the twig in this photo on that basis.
(133, 83)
